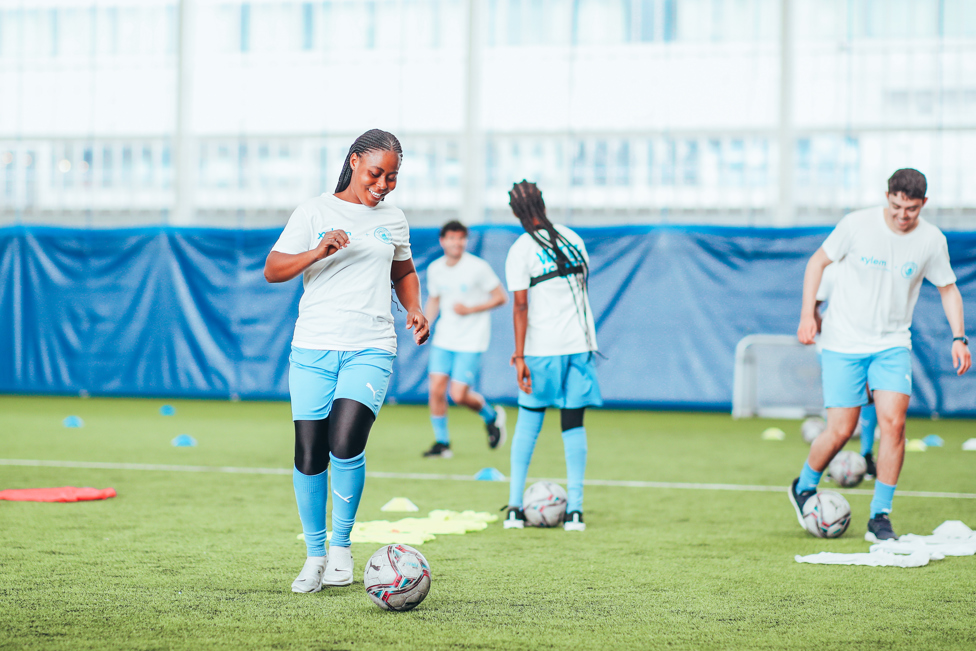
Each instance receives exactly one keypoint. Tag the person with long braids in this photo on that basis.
(349, 246)
(555, 345)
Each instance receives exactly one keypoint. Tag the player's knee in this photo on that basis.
(458, 392)
(311, 446)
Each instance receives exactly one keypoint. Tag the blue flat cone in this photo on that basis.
(73, 421)
(184, 441)
(167, 410)
(489, 474)
(933, 441)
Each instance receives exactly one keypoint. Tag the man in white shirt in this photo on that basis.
(462, 289)
(882, 254)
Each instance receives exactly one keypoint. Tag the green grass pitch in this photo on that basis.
(193, 560)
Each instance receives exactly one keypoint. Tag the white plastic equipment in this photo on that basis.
(776, 377)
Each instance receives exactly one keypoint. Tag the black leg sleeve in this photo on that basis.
(349, 425)
(311, 446)
(571, 418)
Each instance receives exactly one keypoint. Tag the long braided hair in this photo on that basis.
(372, 140)
(526, 201)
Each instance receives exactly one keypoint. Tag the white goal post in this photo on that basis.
(776, 377)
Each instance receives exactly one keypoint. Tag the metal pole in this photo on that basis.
(473, 142)
(787, 146)
(182, 147)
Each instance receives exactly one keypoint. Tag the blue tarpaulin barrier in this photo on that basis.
(187, 312)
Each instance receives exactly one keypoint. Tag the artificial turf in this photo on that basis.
(191, 560)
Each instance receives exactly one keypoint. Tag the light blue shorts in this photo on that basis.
(845, 374)
(317, 377)
(563, 381)
(462, 367)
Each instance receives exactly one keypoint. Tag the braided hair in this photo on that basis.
(372, 140)
(526, 202)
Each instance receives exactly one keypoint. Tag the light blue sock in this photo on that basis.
(809, 478)
(574, 445)
(312, 494)
(869, 422)
(440, 429)
(487, 413)
(883, 496)
(523, 444)
(348, 478)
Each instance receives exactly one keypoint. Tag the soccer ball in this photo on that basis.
(847, 468)
(826, 514)
(812, 427)
(397, 577)
(544, 504)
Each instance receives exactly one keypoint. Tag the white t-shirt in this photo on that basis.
(560, 317)
(469, 282)
(347, 299)
(879, 275)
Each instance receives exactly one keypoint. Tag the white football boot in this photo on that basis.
(574, 521)
(338, 571)
(310, 578)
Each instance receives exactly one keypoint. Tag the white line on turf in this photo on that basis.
(435, 477)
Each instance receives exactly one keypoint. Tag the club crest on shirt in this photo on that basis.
(383, 235)
(908, 269)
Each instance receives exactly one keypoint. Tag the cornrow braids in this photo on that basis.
(372, 140)
(527, 204)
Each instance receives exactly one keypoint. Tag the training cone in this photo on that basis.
(167, 410)
(400, 504)
(773, 434)
(184, 441)
(489, 474)
(933, 441)
(915, 445)
(73, 421)
(969, 445)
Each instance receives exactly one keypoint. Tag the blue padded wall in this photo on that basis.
(187, 312)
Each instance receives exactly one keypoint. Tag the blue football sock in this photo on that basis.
(883, 496)
(523, 444)
(440, 429)
(348, 478)
(869, 422)
(312, 493)
(487, 413)
(809, 478)
(574, 445)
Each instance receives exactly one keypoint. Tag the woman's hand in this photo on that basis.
(332, 242)
(522, 374)
(417, 322)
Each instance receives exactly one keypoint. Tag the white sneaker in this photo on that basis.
(574, 521)
(515, 518)
(338, 571)
(500, 418)
(310, 578)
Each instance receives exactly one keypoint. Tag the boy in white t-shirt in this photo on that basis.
(462, 289)
(555, 345)
(882, 255)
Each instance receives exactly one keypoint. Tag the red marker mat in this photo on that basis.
(62, 494)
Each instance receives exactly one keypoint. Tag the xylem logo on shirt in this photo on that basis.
(908, 269)
(322, 234)
(548, 263)
(874, 263)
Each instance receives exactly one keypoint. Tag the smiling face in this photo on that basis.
(903, 212)
(374, 175)
(454, 243)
